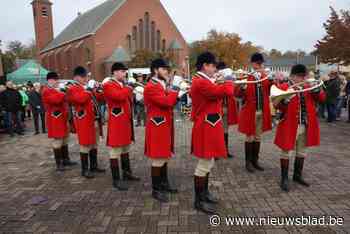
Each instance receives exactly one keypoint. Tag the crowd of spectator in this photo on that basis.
(19, 103)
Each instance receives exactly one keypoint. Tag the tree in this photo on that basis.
(334, 47)
(274, 53)
(228, 47)
(17, 50)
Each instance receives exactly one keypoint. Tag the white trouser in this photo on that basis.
(86, 148)
(59, 142)
(115, 152)
(159, 162)
(300, 145)
(204, 167)
(258, 128)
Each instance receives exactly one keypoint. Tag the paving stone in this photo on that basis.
(34, 198)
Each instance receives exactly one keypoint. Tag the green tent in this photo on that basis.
(31, 71)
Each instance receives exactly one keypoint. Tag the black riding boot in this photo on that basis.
(66, 159)
(58, 159)
(93, 162)
(127, 173)
(165, 180)
(284, 174)
(255, 157)
(298, 169)
(248, 157)
(200, 202)
(209, 197)
(117, 181)
(157, 189)
(85, 166)
(226, 144)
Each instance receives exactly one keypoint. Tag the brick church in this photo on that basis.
(108, 33)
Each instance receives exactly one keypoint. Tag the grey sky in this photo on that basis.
(280, 24)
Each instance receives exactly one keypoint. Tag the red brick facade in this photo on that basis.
(42, 13)
(133, 26)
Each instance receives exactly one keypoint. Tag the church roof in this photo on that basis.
(119, 55)
(86, 24)
(308, 60)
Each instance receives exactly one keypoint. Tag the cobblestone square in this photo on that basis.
(34, 198)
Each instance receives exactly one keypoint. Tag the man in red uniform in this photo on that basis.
(299, 127)
(159, 135)
(208, 140)
(120, 125)
(56, 108)
(255, 114)
(86, 115)
(230, 108)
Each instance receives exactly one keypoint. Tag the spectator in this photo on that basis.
(37, 107)
(341, 100)
(139, 102)
(29, 87)
(323, 106)
(12, 101)
(333, 92)
(2, 107)
(347, 92)
(25, 99)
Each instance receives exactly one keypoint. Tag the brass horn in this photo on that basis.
(277, 95)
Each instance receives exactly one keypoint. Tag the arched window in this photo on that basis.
(87, 57)
(147, 31)
(153, 36)
(163, 45)
(44, 12)
(128, 42)
(141, 35)
(134, 38)
(58, 62)
(158, 40)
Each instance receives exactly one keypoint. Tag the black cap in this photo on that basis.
(52, 76)
(158, 63)
(118, 67)
(80, 71)
(30, 84)
(257, 58)
(299, 69)
(221, 65)
(206, 57)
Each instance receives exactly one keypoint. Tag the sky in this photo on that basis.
(280, 24)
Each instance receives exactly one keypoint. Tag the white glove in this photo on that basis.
(181, 93)
(61, 86)
(91, 84)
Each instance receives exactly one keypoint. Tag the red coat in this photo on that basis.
(286, 133)
(159, 135)
(247, 123)
(208, 132)
(232, 111)
(84, 114)
(56, 112)
(120, 123)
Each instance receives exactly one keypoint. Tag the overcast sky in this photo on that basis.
(280, 24)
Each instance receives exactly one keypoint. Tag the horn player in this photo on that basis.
(255, 115)
(299, 127)
(208, 141)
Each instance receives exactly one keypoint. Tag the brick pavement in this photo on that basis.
(34, 198)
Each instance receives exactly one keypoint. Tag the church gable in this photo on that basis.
(137, 26)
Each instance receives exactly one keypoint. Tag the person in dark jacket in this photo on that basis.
(37, 108)
(12, 102)
(333, 92)
(347, 94)
(2, 107)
